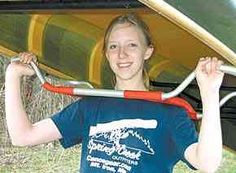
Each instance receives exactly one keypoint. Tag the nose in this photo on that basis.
(122, 53)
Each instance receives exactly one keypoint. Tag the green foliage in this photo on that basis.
(54, 159)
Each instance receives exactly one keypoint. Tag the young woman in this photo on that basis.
(119, 135)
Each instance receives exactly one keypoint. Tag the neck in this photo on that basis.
(130, 85)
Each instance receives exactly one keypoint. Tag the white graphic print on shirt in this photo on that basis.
(110, 140)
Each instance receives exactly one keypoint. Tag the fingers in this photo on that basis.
(216, 65)
(27, 57)
(209, 65)
(201, 66)
(219, 63)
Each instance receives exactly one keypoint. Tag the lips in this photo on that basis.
(124, 65)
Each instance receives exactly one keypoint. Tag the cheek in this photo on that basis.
(111, 60)
(108, 56)
(139, 55)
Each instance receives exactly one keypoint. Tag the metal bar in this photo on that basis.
(171, 85)
(98, 92)
(38, 72)
(179, 89)
(228, 69)
(20, 6)
(157, 96)
(226, 98)
(224, 68)
(34, 66)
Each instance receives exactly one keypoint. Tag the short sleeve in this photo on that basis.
(183, 133)
(70, 123)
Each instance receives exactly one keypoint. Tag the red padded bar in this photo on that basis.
(145, 95)
(155, 96)
(58, 89)
(182, 103)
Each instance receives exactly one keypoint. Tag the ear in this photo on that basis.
(148, 52)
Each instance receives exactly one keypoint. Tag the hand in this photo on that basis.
(208, 75)
(22, 67)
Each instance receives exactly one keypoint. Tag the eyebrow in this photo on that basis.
(112, 41)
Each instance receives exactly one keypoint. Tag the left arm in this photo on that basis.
(206, 154)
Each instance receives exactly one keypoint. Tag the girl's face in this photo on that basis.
(126, 51)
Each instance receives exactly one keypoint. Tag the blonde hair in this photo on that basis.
(136, 21)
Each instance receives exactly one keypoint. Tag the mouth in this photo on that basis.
(124, 65)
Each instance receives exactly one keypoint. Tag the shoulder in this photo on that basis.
(85, 101)
(171, 109)
(174, 114)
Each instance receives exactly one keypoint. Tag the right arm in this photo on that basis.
(21, 130)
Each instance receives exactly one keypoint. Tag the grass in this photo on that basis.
(54, 159)
(40, 159)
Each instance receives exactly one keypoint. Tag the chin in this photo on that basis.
(128, 75)
(125, 77)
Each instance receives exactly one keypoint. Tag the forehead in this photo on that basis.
(127, 30)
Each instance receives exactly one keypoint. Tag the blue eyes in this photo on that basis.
(130, 45)
(112, 46)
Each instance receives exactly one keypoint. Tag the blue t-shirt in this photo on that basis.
(126, 136)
